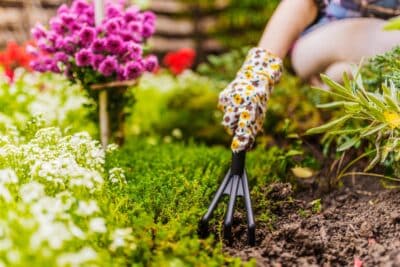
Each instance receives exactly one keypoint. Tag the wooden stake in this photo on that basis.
(103, 97)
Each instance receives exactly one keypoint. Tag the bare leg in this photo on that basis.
(332, 48)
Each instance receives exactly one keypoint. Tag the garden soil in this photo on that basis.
(357, 225)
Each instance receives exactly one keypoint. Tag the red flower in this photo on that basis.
(14, 56)
(180, 60)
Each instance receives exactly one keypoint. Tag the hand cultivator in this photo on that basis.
(234, 184)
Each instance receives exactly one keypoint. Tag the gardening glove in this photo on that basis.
(244, 100)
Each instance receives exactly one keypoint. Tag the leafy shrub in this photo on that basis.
(58, 205)
(174, 184)
(183, 108)
(49, 96)
(373, 117)
(382, 68)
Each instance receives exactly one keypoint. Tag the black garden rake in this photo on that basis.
(234, 184)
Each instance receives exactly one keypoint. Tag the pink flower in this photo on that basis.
(83, 58)
(108, 66)
(113, 44)
(87, 35)
(38, 31)
(133, 70)
(150, 63)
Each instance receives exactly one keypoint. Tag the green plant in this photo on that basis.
(182, 108)
(223, 67)
(381, 68)
(373, 117)
(47, 95)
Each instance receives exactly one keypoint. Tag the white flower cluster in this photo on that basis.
(53, 202)
(51, 97)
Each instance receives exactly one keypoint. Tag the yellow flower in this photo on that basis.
(230, 109)
(245, 115)
(249, 67)
(235, 144)
(248, 75)
(237, 99)
(275, 67)
(392, 118)
(249, 87)
(242, 124)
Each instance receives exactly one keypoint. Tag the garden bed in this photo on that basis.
(357, 225)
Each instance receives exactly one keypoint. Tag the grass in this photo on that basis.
(171, 185)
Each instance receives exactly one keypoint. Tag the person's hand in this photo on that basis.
(244, 100)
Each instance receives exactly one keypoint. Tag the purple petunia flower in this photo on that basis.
(135, 27)
(96, 61)
(61, 57)
(75, 27)
(57, 25)
(114, 48)
(108, 66)
(149, 16)
(113, 25)
(113, 44)
(67, 18)
(113, 11)
(133, 50)
(87, 35)
(38, 31)
(131, 14)
(148, 30)
(62, 9)
(97, 46)
(45, 45)
(51, 65)
(79, 6)
(38, 65)
(150, 63)
(133, 70)
(83, 58)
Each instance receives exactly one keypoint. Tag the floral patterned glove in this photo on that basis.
(244, 100)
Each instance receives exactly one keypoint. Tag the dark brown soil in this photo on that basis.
(357, 226)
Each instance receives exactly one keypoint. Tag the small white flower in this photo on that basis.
(76, 231)
(5, 194)
(54, 234)
(87, 208)
(79, 258)
(122, 238)
(98, 225)
(117, 175)
(31, 191)
(111, 148)
(13, 256)
(8, 176)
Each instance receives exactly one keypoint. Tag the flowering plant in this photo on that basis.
(74, 45)
(180, 60)
(14, 56)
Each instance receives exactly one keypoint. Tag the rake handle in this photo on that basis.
(237, 165)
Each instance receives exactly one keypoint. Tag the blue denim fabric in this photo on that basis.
(343, 9)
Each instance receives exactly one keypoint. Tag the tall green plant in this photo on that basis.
(373, 117)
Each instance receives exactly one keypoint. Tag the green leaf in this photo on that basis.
(331, 104)
(329, 125)
(349, 143)
(393, 24)
(373, 130)
(340, 89)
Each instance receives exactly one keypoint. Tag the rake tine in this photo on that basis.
(231, 206)
(251, 226)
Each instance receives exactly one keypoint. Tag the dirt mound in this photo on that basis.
(354, 228)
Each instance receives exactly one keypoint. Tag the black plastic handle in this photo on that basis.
(238, 160)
